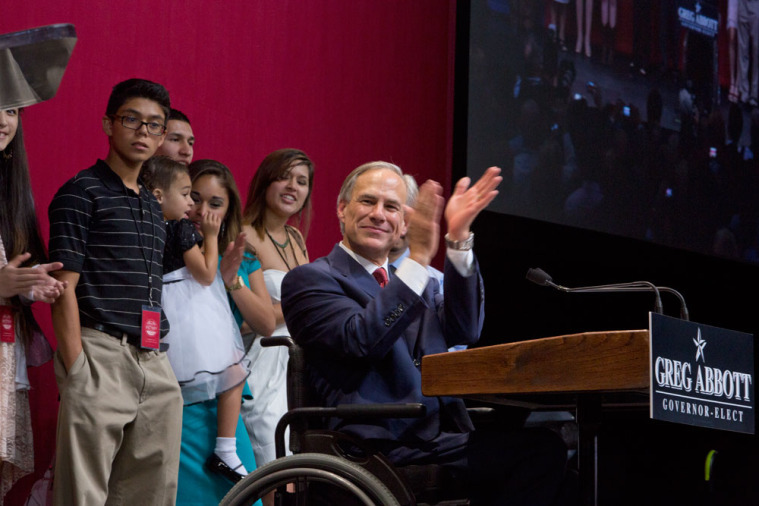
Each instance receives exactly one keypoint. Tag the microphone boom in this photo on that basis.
(542, 278)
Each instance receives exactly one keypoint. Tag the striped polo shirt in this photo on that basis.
(114, 239)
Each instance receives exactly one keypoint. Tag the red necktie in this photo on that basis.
(381, 276)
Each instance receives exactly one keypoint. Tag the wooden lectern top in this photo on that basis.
(590, 362)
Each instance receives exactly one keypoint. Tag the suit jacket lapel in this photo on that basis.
(349, 268)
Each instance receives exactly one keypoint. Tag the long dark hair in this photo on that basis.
(19, 228)
(273, 167)
(232, 224)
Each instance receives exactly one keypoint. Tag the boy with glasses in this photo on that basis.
(119, 419)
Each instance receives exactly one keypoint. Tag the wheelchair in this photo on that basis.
(336, 469)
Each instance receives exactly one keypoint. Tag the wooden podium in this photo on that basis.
(584, 373)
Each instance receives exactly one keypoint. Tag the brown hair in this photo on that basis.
(232, 223)
(160, 172)
(276, 165)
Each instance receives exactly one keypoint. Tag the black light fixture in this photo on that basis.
(32, 63)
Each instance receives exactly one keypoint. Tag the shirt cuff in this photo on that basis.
(463, 261)
(413, 274)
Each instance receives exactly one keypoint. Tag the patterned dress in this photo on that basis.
(16, 444)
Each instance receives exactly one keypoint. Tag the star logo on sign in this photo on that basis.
(700, 345)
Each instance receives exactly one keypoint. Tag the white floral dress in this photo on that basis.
(16, 444)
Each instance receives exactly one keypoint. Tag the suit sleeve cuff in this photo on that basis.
(413, 274)
(463, 261)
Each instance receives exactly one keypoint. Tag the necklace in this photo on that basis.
(281, 251)
(281, 245)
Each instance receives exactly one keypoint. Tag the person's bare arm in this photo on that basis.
(203, 265)
(255, 305)
(34, 283)
(65, 315)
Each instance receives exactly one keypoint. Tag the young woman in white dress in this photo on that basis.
(275, 220)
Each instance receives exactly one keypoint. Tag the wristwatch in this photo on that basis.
(239, 283)
(464, 245)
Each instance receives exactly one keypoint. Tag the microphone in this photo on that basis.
(683, 308)
(542, 278)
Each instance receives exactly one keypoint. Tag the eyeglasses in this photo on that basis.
(132, 123)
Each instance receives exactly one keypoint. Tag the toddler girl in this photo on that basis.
(205, 346)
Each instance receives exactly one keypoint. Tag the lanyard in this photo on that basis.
(143, 210)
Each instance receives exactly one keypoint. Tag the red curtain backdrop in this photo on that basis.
(346, 81)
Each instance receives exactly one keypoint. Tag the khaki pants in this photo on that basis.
(119, 426)
(748, 49)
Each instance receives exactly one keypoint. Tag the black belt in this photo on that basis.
(118, 334)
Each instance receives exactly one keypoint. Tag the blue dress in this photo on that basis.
(197, 486)
(268, 375)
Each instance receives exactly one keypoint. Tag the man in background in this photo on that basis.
(179, 138)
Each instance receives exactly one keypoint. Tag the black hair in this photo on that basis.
(176, 114)
(138, 88)
(19, 227)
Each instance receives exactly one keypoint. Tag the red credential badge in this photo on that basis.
(7, 328)
(151, 328)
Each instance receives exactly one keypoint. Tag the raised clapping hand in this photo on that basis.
(467, 202)
(231, 260)
(423, 223)
(34, 283)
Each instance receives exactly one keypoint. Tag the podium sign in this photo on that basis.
(700, 16)
(701, 375)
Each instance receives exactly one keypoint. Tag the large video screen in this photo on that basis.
(634, 118)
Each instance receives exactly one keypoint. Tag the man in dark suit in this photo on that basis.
(365, 335)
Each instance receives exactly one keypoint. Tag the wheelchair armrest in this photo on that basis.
(277, 341)
(345, 411)
(408, 410)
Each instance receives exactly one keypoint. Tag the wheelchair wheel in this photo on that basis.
(314, 479)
